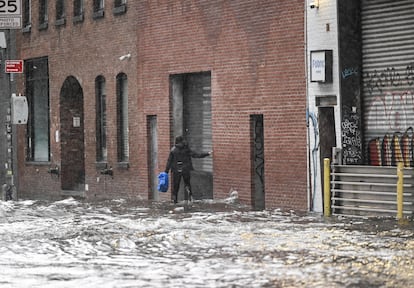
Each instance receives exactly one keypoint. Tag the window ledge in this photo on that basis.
(119, 10)
(123, 165)
(101, 165)
(38, 163)
(27, 29)
(43, 26)
(78, 18)
(60, 22)
(98, 14)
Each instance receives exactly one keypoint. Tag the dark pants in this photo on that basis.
(176, 182)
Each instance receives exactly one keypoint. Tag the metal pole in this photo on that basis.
(327, 187)
(9, 189)
(400, 190)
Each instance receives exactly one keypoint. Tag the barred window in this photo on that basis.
(122, 117)
(38, 126)
(101, 150)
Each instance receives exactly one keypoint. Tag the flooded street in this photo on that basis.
(119, 244)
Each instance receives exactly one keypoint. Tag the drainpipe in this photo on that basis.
(308, 161)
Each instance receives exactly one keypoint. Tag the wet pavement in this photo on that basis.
(117, 243)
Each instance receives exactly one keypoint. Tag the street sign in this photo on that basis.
(10, 14)
(14, 66)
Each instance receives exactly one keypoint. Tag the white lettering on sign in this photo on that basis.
(14, 66)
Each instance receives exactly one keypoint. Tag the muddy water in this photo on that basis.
(209, 244)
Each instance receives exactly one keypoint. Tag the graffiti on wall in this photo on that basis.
(351, 118)
(259, 151)
(392, 95)
(351, 139)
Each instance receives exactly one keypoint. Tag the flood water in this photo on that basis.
(70, 243)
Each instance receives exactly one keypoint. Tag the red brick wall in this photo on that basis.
(255, 52)
(84, 50)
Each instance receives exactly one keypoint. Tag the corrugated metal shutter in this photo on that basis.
(387, 66)
(197, 117)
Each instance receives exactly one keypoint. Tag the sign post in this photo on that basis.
(10, 14)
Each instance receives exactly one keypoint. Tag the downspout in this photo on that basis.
(314, 154)
(308, 172)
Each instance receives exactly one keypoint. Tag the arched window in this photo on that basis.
(122, 117)
(100, 92)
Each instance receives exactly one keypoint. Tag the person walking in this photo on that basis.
(180, 164)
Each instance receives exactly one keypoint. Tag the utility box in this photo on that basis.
(19, 109)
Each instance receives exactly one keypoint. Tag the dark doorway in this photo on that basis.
(152, 136)
(327, 136)
(72, 136)
(257, 153)
(191, 110)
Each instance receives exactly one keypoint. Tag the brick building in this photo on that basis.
(111, 83)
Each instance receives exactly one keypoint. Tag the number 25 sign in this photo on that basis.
(10, 14)
(10, 7)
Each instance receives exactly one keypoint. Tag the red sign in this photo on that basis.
(14, 66)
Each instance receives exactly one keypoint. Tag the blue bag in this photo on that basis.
(163, 182)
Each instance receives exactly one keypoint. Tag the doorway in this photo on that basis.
(72, 136)
(191, 114)
(152, 157)
(327, 137)
(257, 154)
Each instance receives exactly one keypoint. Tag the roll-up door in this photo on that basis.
(387, 66)
(197, 117)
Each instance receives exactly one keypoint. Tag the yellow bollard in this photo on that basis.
(327, 187)
(400, 190)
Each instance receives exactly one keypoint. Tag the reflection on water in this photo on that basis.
(120, 244)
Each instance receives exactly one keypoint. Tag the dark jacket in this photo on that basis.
(180, 156)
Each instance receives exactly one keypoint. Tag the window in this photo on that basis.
(27, 16)
(43, 14)
(119, 7)
(37, 92)
(98, 9)
(101, 151)
(60, 12)
(118, 3)
(122, 117)
(77, 11)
